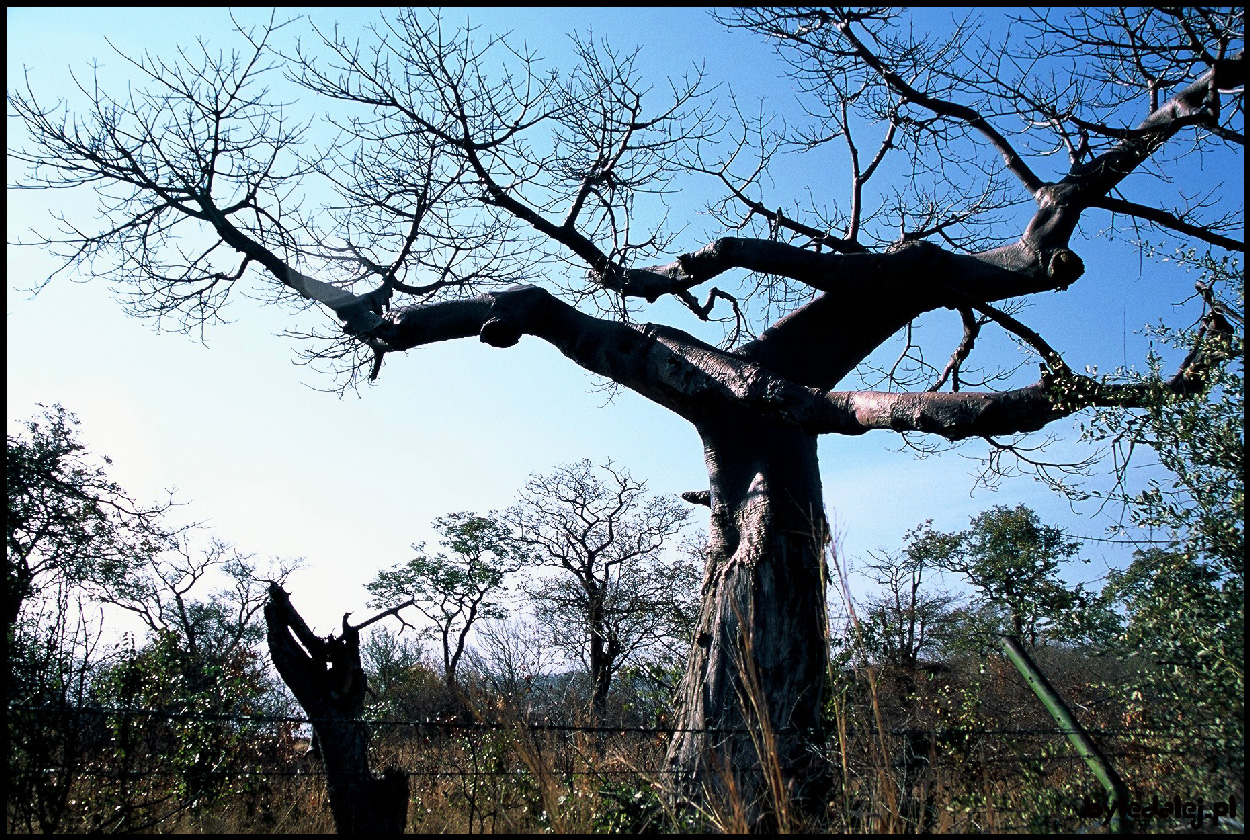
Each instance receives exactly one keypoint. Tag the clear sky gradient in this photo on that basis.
(278, 467)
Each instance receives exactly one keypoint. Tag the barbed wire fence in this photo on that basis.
(473, 755)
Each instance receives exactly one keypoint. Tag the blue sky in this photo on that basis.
(279, 467)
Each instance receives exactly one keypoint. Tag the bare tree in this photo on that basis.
(328, 680)
(463, 168)
(907, 618)
(171, 596)
(617, 594)
(511, 656)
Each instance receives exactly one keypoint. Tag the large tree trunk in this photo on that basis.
(326, 678)
(751, 740)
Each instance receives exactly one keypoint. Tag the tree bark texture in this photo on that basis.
(326, 678)
(751, 700)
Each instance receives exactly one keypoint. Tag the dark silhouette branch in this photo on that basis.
(1169, 220)
(972, 328)
(1015, 164)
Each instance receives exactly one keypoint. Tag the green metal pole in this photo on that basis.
(1081, 742)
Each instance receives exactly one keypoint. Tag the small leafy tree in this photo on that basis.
(1013, 561)
(71, 532)
(453, 588)
(402, 685)
(180, 704)
(65, 519)
(173, 596)
(170, 714)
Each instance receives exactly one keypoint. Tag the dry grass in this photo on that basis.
(963, 750)
(515, 779)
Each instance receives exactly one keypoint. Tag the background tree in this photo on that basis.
(1013, 561)
(52, 658)
(182, 704)
(907, 619)
(70, 534)
(513, 657)
(66, 522)
(457, 177)
(456, 588)
(654, 681)
(402, 683)
(171, 596)
(617, 595)
(80, 548)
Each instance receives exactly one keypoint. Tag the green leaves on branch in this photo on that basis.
(481, 554)
(1013, 562)
(66, 521)
(1184, 594)
(456, 587)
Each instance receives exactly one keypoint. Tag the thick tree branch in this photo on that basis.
(1060, 393)
(1093, 181)
(992, 275)
(1089, 183)
(360, 313)
(698, 497)
(698, 382)
(799, 346)
(869, 297)
(663, 364)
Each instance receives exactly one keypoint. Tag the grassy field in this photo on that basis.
(961, 749)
